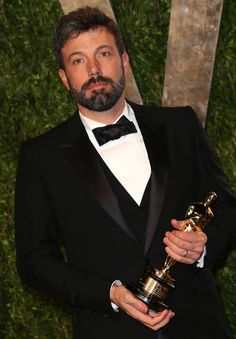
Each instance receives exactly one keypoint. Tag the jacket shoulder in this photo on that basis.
(65, 131)
(179, 115)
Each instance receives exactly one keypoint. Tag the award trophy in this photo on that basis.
(155, 285)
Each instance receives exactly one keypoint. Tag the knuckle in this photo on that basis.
(155, 328)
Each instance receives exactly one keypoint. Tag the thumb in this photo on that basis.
(177, 224)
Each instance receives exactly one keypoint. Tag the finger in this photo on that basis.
(161, 319)
(178, 224)
(137, 304)
(181, 226)
(179, 232)
(124, 298)
(146, 319)
(136, 314)
(156, 319)
(185, 258)
(183, 255)
(191, 237)
(152, 313)
(181, 250)
(180, 245)
(188, 241)
(130, 307)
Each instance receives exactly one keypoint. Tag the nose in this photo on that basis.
(93, 67)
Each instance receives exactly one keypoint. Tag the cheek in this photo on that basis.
(114, 72)
(77, 80)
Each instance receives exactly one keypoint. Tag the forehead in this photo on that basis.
(89, 41)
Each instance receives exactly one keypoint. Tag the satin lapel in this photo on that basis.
(156, 142)
(84, 159)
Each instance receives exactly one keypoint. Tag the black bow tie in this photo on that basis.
(114, 131)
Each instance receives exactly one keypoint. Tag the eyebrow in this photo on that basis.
(74, 53)
(97, 49)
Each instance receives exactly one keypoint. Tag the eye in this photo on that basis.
(105, 54)
(78, 61)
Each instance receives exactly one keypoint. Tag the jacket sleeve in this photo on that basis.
(222, 230)
(40, 262)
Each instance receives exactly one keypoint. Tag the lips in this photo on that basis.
(97, 85)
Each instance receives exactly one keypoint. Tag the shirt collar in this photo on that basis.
(90, 124)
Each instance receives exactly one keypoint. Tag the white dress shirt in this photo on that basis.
(126, 157)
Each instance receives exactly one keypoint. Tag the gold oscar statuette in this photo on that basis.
(155, 285)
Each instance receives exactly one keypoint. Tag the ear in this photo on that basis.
(63, 77)
(125, 60)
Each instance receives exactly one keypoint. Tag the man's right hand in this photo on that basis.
(137, 309)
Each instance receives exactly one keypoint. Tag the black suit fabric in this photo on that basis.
(65, 196)
(136, 216)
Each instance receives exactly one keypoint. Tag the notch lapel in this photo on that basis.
(156, 142)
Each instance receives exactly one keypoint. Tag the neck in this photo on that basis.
(105, 117)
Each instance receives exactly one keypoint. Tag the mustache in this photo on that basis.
(95, 80)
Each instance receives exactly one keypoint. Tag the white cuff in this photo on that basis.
(113, 305)
(200, 262)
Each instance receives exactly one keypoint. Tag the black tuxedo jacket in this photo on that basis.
(64, 199)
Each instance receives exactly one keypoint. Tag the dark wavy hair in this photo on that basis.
(83, 20)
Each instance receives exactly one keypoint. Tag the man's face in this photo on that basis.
(94, 71)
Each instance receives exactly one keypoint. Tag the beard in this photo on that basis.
(101, 99)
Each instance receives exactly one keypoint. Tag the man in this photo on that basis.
(111, 202)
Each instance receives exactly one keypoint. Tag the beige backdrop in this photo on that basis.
(193, 35)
